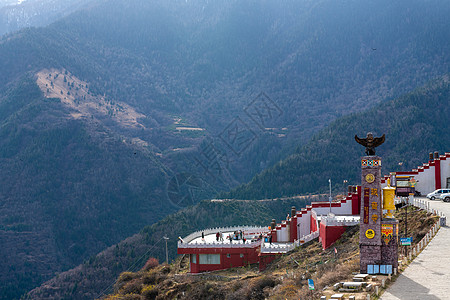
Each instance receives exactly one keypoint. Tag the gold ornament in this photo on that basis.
(370, 234)
(370, 178)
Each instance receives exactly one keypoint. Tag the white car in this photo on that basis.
(437, 193)
(445, 197)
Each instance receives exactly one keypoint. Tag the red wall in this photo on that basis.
(437, 173)
(274, 235)
(330, 234)
(356, 201)
(250, 256)
(293, 228)
(265, 260)
(313, 227)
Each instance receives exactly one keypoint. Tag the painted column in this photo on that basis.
(356, 202)
(370, 212)
(293, 231)
(437, 173)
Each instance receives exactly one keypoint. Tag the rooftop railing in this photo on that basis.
(339, 221)
(286, 247)
(247, 231)
(224, 244)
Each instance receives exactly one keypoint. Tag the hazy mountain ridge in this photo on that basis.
(15, 15)
(415, 124)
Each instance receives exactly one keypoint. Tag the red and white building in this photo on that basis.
(208, 254)
(430, 176)
(319, 220)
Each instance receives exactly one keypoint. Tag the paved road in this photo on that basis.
(428, 276)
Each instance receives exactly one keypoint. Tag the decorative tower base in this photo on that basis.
(378, 236)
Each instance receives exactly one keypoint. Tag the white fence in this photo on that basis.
(339, 221)
(286, 247)
(247, 230)
(425, 205)
(421, 204)
(424, 241)
(223, 244)
(277, 247)
(307, 238)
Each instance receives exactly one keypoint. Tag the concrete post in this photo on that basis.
(368, 297)
(383, 284)
(395, 271)
(377, 290)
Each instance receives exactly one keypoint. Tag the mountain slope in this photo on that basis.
(96, 276)
(207, 62)
(414, 124)
(15, 15)
(332, 152)
(68, 189)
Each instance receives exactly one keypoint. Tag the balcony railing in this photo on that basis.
(286, 247)
(248, 231)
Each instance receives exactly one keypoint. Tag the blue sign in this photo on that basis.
(406, 241)
(379, 269)
(311, 284)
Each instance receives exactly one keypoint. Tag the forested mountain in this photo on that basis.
(125, 111)
(415, 124)
(17, 14)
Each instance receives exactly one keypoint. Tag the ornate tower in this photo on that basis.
(378, 235)
(371, 212)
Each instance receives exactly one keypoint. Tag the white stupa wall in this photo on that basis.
(445, 172)
(303, 224)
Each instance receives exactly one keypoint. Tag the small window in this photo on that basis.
(209, 259)
(194, 258)
(228, 255)
(241, 255)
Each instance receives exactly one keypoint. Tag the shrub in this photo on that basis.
(126, 276)
(132, 287)
(265, 281)
(150, 278)
(149, 292)
(123, 279)
(256, 290)
(151, 263)
(208, 291)
(288, 291)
